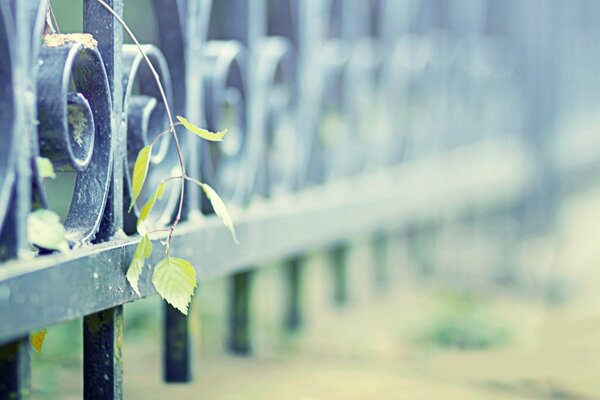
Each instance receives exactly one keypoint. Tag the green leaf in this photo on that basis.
(37, 339)
(203, 133)
(140, 170)
(175, 280)
(45, 167)
(45, 230)
(161, 190)
(220, 209)
(142, 252)
(158, 194)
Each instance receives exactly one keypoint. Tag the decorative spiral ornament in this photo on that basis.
(225, 107)
(276, 79)
(144, 116)
(335, 152)
(393, 90)
(371, 137)
(172, 18)
(74, 112)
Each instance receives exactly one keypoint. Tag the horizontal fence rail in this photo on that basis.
(333, 134)
(315, 219)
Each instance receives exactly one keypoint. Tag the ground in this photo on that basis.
(392, 344)
(553, 353)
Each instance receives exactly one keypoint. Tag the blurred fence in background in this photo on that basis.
(347, 117)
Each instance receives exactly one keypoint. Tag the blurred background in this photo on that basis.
(500, 302)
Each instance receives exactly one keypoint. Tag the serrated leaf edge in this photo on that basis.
(203, 133)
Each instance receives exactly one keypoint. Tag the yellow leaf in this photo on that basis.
(175, 281)
(45, 168)
(161, 190)
(140, 170)
(220, 209)
(150, 204)
(142, 252)
(45, 230)
(203, 133)
(37, 339)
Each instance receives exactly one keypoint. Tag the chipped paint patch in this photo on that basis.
(57, 39)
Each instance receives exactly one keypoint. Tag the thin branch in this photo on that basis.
(143, 53)
(158, 231)
(163, 133)
(171, 178)
(196, 181)
(169, 116)
(55, 22)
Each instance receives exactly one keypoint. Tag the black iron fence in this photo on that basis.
(316, 96)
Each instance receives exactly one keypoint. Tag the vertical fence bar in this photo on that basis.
(240, 20)
(179, 41)
(293, 293)
(177, 354)
(109, 34)
(381, 271)
(103, 331)
(102, 357)
(239, 341)
(15, 367)
(338, 262)
(15, 370)
(14, 357)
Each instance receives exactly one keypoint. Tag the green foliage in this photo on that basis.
(203, 133)
(44, 230)
(220, 209)
(173, 278)
(142, 252)
(150, 204)
(465, 323)
(45, 168)
(140, 171)
(175, 281)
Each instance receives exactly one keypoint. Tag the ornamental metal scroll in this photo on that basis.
(172, 20)
(371, 133)
(74, 112)
(336, 150)
(276, 77)
(182, 27)
(144, 116)
(225, 93)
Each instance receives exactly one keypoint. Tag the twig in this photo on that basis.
(163, 133)
(158, 230)
(54, 21)
(169, 116)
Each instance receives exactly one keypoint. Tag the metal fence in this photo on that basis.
(336, 115)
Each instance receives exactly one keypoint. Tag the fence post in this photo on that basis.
(239, 313)
(15, 370)
(102, 357)
(103, 331)
(381, 273)
(181, 29)
(338, 258)
(293, 293)
(177, 356)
